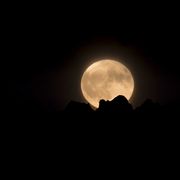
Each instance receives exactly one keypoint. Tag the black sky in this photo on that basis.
(48, 50)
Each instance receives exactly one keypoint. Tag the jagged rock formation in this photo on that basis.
(119, 105)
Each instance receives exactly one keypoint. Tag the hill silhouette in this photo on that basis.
(121, 105)
(114, 129)
(116, 119)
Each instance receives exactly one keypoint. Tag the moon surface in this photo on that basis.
(106, 79)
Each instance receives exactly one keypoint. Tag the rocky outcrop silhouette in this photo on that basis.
(118, 105)
(121, 107)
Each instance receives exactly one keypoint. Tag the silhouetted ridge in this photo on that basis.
(149, 107)
(119, 105)
(74, 106)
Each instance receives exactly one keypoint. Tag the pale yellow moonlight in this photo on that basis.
(106, 79)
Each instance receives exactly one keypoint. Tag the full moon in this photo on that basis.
(106, 79)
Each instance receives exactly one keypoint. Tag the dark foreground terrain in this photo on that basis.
(112, 117)
(79, 141)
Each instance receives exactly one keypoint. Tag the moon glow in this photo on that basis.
(106, 79)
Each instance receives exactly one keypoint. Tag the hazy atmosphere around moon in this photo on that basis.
(106, 79)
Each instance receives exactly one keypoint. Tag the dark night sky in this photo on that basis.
(49, 50)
